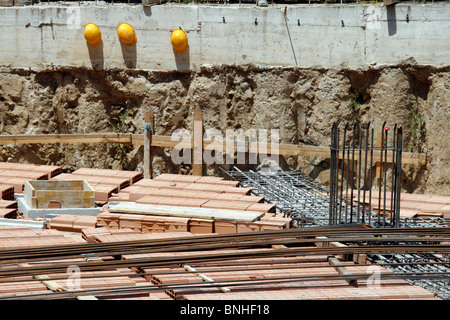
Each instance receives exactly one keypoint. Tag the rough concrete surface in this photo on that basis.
(301, 103)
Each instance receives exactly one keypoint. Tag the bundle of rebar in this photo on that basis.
(198, 250)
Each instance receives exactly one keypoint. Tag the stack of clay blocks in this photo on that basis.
(160, 224)
(16, 174)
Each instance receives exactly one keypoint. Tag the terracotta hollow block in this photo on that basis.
(175, 224)
(132, 221)
(269, 225)
(153, 224)
(225, 227)
(62, 220)
(84, 222)
(247, 227)
(265, 207)
(287, 221)
(186, 202)
(201, 226)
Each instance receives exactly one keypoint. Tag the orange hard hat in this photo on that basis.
(92, 34)
(179, 40)
(126, 34)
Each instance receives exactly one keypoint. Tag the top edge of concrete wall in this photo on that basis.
(50, 36)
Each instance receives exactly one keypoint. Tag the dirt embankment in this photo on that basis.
(301, 103)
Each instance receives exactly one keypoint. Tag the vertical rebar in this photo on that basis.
(380, 177)
(394, 145)
(359, 171)
(353, 173)
(398, 174)
(332, 173)
(342, 172)
(370, 184)
(366, 149)
(363, 143)
(348, 200)
(386, 130)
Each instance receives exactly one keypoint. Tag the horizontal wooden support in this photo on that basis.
(205, 277)
(339, 267)
(66, 138)
(418, 159)
(184, 212)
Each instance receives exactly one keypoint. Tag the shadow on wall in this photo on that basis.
(182, 60)
(391, 20)
(147, 11)
(96, 56)
(129, 55)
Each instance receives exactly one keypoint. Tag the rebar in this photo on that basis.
(343, 208)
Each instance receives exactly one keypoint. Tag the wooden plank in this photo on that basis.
(45, 280)
(6, 3)
(185, 212)
(342, 270)
(204, 277)
(359, 258)
(66, 138)
(197, 152)
(418, 159)
(443, 209)
(147, 144)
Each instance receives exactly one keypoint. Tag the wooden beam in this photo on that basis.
(197, 157)
(205, 277)
(184, 212)
(66, 138)
(359, 258)
(149, 122)
(418, 159)
(342, 270)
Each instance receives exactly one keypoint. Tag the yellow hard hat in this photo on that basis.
(179, 40)
(92, 34)
(126, 34)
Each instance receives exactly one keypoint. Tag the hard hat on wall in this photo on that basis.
(179, 40)
(92, 34)
(126, 34)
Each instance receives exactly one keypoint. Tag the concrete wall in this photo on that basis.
(328, 36)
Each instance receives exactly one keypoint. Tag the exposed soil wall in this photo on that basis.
(301, 103)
